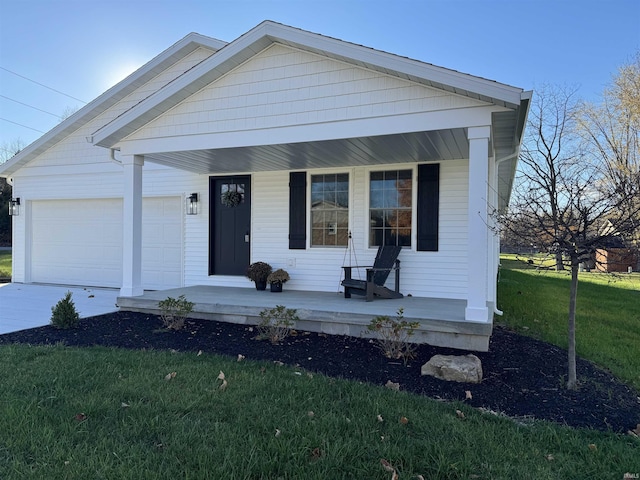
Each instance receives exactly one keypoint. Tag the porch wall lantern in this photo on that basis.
(192, 204)
(14, 206)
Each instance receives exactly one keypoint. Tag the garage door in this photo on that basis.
(79, 242)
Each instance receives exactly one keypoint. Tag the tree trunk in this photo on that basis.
(573, 294)
(559, 262)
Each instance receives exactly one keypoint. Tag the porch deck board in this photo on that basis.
(441, 320)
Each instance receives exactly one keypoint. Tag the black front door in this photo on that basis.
(229, 224)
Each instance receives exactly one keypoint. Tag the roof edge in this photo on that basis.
(110, 97)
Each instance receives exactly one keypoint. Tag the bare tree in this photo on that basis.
(612, 132)
(563, 198)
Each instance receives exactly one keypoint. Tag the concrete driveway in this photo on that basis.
(27, 306)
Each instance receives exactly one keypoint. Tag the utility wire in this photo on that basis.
(30, 106)
(42, 85)
(21, 125)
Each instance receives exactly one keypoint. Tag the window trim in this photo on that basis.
(413, 167)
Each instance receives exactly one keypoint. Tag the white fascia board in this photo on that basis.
(116, 93)
(269, 32)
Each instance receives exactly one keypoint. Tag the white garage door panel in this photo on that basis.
(79, 242)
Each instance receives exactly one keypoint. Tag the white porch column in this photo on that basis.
(478, 243)
(132, 227)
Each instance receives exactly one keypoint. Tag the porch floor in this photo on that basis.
(441, 320)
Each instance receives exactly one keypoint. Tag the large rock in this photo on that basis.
(465, 369)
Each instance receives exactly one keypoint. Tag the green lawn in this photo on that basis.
(76, 413)
(5, 264)
(70, 413)
(536, 302)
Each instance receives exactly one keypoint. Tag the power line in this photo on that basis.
(31, 106)
(42, 85)
(21, 125)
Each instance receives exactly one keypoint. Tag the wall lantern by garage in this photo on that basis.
(14, 206)
(192, 204)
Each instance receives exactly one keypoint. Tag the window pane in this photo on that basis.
(329, 209)
(390, 207)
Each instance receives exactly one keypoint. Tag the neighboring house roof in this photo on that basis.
(109, 98)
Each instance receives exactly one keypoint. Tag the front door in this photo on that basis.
(229, 224)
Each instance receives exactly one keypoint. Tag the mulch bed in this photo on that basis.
(523, 377)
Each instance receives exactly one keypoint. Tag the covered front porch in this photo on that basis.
(442, 321)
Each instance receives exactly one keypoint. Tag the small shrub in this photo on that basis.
(173, 311)
(393, 336)
(64, 314)
(276, 323)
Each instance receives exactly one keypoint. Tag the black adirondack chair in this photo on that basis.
(386, 260)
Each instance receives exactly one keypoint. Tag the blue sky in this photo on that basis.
(82, 47)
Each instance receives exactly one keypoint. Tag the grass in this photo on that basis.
(72, 413)
(5, 264)
(536, 302)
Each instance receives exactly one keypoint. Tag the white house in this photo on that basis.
(334, 147)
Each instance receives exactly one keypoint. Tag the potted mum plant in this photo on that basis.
(277, 278)
(258, 272)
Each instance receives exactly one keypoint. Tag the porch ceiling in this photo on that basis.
(362, 151)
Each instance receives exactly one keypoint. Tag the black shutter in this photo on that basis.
(297, 210)
(428, 206)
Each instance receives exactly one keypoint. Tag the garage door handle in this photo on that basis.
(246, 237)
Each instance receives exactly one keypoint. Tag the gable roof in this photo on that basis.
(267, 33)
(151, 69)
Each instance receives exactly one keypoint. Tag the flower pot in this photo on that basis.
(261, 285)
(276, 287)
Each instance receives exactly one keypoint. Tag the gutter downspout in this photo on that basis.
(112, 156)
(498, 162)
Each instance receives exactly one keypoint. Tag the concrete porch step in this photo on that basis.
(441, 320)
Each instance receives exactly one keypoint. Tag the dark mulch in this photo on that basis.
(523, 377)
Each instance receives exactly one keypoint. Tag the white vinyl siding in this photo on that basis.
(282, 86)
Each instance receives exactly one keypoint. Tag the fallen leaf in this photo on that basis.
(221, 375)
(277, 433)
(240, 357)
(550, 457)
(172, 350)
(297, 373)
(80, 417)
(316, 453)
(386, 465)
(460, 414)
(379, 418)
(404, 420)
(278, 363)
(467, 395)
(394, 475)
(170, 376)
(199, 353)
(419, 477)
(263, 370)
(91, 296)
(593, 447)
(250, 329)
(636, 430)
(124, 405)
(310, 375)
(310, 414)
(223, 387)
(393, 386)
